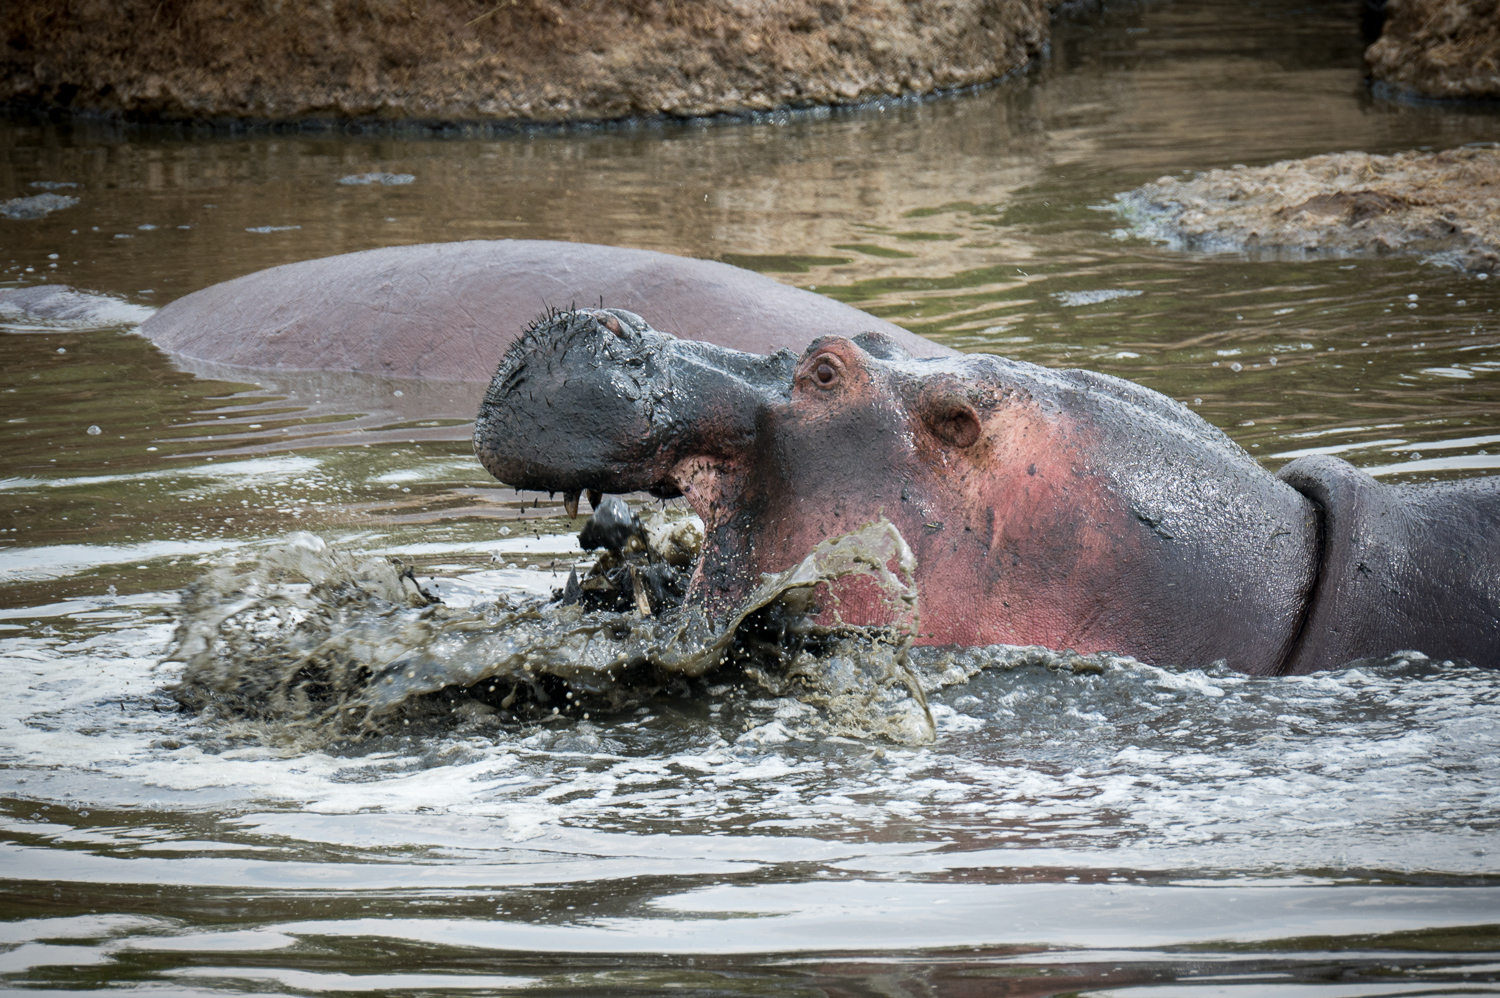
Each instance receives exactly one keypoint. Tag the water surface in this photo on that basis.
(1137, 831)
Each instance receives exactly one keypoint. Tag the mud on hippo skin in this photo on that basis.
(597, 399)
(1063, 508)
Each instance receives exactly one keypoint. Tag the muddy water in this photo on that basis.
(1127, 830)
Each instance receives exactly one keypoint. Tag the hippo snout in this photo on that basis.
(595, 399)
(572, 404)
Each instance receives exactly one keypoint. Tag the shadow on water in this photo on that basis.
(1066, 826)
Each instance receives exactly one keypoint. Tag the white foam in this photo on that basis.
(1462, 462)
(1072, 299)
(66, 308)
(1139, 768)
(1337, 448)
(305, 980)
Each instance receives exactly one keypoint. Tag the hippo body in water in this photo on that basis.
(407, 335)
(1062, 508)
(445, 311)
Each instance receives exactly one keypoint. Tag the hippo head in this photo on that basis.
(1062, 508)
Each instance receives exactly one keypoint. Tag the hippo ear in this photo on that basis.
(951, 418)
(878, 344)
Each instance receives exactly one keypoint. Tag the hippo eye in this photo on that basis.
(823, 371)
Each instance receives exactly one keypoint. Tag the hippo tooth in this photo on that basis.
(595, 498)
(570, 504)
(638, 593)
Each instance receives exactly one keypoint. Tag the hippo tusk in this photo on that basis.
(570, 504)
(638, 593)
(595, 498)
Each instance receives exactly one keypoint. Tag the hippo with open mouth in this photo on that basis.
(1061, 508)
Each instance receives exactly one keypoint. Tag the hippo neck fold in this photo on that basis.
(1385, 551)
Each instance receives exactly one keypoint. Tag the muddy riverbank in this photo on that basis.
(1439, 49)
(1444, 206)
(499, 61)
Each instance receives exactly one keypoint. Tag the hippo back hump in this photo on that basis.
(447, 311)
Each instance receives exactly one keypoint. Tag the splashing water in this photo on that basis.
(307, 645)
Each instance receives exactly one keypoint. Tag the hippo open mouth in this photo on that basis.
(1061, 508)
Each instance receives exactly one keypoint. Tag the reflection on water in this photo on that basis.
(1132, 830)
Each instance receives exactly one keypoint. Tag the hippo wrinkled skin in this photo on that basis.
(1062, 508)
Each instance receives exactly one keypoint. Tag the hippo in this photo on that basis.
(409, 334)
(1063, 508)
(443, 311)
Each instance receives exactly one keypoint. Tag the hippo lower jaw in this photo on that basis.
(715, 490)
(705, 483)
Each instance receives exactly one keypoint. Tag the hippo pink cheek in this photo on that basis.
(702, 483)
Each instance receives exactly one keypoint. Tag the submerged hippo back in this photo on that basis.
(448, 311)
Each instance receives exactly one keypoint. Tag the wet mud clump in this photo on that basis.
(1444, 206)
(1439, 49)
(457, 61)
(308, 646)
(636, 571)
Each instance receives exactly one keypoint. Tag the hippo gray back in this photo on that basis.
(447, 311)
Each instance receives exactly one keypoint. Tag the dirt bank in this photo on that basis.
(1445, 49)
(1444, 205)
(498, 60)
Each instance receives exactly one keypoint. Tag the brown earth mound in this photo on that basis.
(498, 60)
(1444, 205)
(1444, 49)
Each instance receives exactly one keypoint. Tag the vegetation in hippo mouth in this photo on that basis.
(636, 571)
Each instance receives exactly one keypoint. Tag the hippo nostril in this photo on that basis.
(613, 325)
